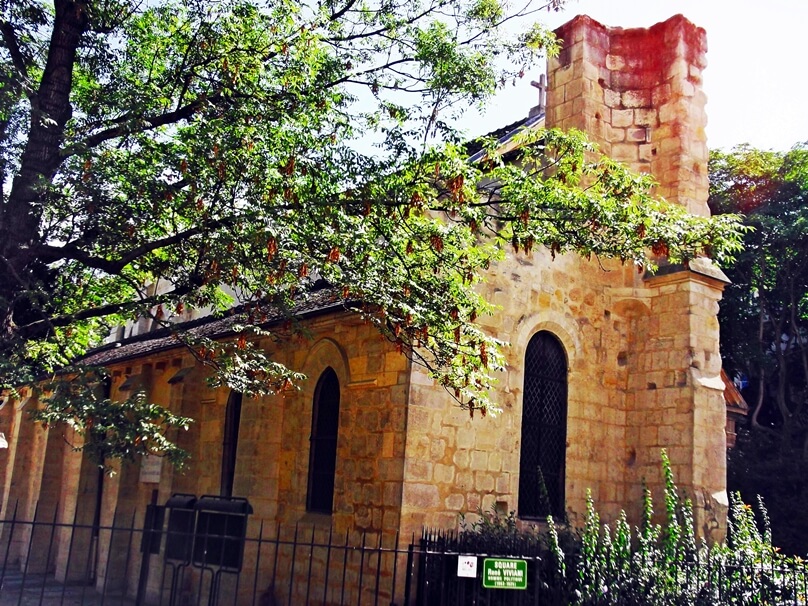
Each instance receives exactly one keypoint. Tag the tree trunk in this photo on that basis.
(50, 111)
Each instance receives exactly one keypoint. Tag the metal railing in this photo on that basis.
(148, 559)
(133, 562)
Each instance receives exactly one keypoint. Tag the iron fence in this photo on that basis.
(701, 578)
(178, 556)
(158, 559)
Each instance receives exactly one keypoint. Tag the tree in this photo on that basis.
(764, 325)
(197, 144)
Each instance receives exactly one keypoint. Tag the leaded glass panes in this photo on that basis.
(544, 428)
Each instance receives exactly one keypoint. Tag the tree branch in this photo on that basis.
(17, 58)
(145, 123)
(103, 310)
(50, 253)
(336, 15)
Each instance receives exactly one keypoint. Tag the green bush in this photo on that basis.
(657, 563)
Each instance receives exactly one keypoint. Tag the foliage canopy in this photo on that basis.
(764, 325)
(192, 144)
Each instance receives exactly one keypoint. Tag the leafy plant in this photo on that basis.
(764, 323)
(155, 153)
(105, 429)
(658, 563)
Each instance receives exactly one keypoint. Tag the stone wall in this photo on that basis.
(642, 350)
(456, 464)
(273, 448)
(637, 93)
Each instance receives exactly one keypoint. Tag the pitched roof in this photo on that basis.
(317, 301)
(503, 135)
(732, 396)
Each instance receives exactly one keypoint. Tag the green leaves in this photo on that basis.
(763, 325)
(664, 565)
(656, 564)
(109, 430)
(198, 148)
(450, 68)
(486, 11)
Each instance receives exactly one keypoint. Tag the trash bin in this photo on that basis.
(152, 529)
(181, 523)
(221, 530)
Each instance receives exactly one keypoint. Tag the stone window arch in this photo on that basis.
(323, 446)
(542, 459)
(232, 420)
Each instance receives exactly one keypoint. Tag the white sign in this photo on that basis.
(151, 468)
(467, 566)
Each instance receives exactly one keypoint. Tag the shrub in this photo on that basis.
(653, 563)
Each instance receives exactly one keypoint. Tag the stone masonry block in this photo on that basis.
(454, 502)
(616, 62)
(622, 118)
(464, 480)
(558, 77)
(573, 90)
(461, 459)
(617, 135)
(661, 94)
(670, 146)
(418, 469)
(578, 69)
(636, 98)
(565, 111)
(444, 474)
(437, 449)
(465, 438)
(639, 135)
(678, 70)
(611, 98)
(503, 483)
(579, 107)
(646, 117)
(421, 496)
(576, 52)
(684, 88)
(625, 152)
(663, 131)
(479, 460)
(484, 482)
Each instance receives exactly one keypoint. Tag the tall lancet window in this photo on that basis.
(232, 420)
(544, 428)
(323, 450)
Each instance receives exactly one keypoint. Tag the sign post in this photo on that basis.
(501, 573)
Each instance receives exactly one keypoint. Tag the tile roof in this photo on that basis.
(213, 327)
(502, 135)
(732, 396)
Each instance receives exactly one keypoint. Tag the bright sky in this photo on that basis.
(756, 79)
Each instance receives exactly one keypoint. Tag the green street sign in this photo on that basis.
(504, 574)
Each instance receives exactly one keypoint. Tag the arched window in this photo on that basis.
(323, 449)
(544, 428)
(232, 420)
